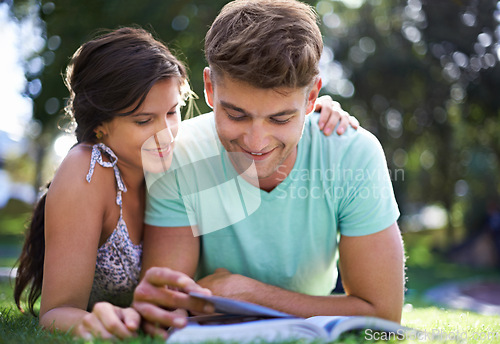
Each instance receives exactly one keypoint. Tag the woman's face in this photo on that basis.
(145, 139)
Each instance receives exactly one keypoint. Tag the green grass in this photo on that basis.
(7, 261)
(439, 325)
(16, 327)
(445, 325)
(14, 218)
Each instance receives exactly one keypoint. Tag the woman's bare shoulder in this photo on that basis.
(73, 171)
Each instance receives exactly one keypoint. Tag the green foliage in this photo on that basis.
(13, 221)
(428, 89)
(13, 218)
(181, 24)
(18, 328)
(413, 72)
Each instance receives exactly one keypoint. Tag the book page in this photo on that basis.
(336, 325)
(268, 330)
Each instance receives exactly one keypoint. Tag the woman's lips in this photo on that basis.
(159, 151)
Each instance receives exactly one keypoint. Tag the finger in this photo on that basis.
(343, 123)
(182, 312)
(318, 104)
(131, 319)
(321, 101)
(335, 114)
(326, 116)
(156, 315)
(111, 318)
(168, 298)
(327, 108)
(81, 332)
(221, 270)
(353, 121)
(174, 279)
(334, 119)
(93, 326)
(155, 330)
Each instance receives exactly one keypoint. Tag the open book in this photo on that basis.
(245, 322)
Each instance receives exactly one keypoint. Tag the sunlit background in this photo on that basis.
(423, 76)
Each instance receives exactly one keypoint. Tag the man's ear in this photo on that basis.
(313, 95)
(209, 87)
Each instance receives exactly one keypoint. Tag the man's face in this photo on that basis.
(262, 126)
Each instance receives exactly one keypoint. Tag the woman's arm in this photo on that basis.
(331, 113)
(75, 213)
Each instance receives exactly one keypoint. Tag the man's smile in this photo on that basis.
(258, 156)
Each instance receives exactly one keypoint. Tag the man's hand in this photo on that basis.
(224, 283)
(108, 321)
(160, 293)
(331, 114)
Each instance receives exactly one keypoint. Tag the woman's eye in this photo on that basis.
(143, 122)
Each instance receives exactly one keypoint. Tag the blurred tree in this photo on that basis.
(181, 24)
(424, 77)
(68, 24)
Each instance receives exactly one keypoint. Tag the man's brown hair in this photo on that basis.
(266, 43)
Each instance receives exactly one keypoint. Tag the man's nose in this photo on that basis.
(256, 139)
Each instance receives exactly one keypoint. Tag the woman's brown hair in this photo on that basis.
(105, 76)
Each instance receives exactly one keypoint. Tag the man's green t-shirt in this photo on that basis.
(339, 185)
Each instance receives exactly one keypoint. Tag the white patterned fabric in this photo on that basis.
(118, 261)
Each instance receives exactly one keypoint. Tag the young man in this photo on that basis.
(303, 199)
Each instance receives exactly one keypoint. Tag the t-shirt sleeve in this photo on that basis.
(164, 204)
(367, 204)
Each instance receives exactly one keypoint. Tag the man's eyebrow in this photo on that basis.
(246, 113)
(234, 107)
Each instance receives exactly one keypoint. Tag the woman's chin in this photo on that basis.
(156, 164)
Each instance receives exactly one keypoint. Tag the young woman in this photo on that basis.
(84, 242)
